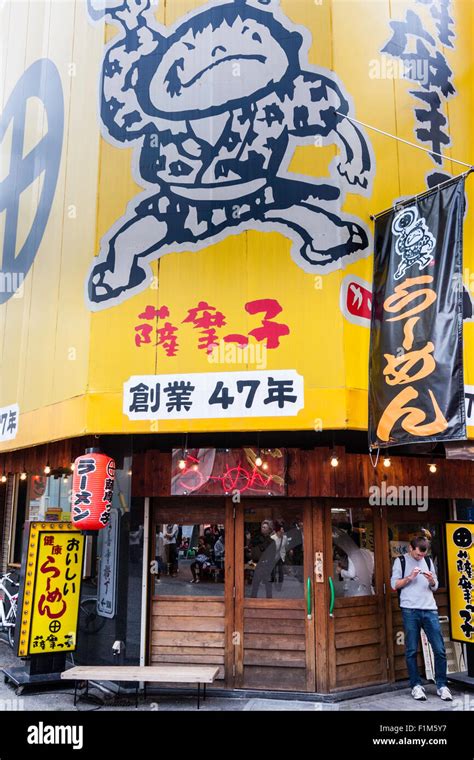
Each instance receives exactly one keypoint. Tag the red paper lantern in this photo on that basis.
(92, 489)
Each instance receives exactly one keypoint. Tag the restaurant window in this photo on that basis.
(353, 551)
(49, 497)
(273, 552)
(400, 535)
(189, 559)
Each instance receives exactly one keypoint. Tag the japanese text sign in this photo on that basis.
(416, 384)
(51, 591)
(224, 394)
(460, 555)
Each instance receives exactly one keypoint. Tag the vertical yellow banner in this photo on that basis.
(460, 555)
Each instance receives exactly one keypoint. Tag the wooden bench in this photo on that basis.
(199, 674)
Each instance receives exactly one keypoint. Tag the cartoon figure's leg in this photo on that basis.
(325, 235)
(325, 238)
(122, 263)
(400, 270)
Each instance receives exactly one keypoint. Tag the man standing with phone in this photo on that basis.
(415, 580)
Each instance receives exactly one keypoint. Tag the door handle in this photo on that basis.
(308, 598)
(333, 597)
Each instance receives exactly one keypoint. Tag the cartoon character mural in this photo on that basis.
(215, 106)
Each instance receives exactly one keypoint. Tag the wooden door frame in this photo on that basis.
(321, 594)
(305, 507)
(382, 580)
(199, 503)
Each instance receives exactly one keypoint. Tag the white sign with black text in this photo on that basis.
(277, 393)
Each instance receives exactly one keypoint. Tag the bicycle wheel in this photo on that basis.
(89, 620)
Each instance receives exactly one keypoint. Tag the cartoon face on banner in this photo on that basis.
(215, 107)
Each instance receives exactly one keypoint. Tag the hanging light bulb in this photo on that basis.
(265, 466)
(259, 461)
(387, 462)
(182, 461)
(4, 478)
(47, 469)
(334, 461)
(23, 476)
(72, 466)
(433, 468)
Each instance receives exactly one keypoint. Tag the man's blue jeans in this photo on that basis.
(413, 621)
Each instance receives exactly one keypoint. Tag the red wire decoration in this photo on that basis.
(92, 490)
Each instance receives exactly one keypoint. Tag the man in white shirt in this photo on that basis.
(419, 609)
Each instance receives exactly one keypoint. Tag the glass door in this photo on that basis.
(274, 639)
(191, 617)
(357, 643)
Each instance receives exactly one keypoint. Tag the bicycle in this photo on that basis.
(8, 617)
(89, 619)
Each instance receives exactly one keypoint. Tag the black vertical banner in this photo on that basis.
(416, 382)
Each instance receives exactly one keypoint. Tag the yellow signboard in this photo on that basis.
(460, 554)
(203, 227)
(52, 586)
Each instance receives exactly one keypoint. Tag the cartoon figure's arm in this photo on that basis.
(127, 13)
(315, 103)
(121, 112)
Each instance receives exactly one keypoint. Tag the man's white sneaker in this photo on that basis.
(445, 694)
(418, 692)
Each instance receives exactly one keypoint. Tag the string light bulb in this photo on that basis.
(47, 469)
(265, 466)
(4, 478)
(433, 468)
(72, 466)
(258, 460)
(334, 461)
(23, 476)
(387, 462)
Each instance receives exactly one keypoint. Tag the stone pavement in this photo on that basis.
(62, 700)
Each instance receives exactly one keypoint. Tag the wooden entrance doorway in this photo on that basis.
(358, 568)
(276, 626)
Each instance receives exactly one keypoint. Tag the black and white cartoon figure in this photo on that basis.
(215, 107)
(462, 537)
(414, 242)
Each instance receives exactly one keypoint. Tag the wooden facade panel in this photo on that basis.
(347, 612)
(371, 636)
(274, 642)
(308, 474)
(187, 623)
(187, 639)
(277, 679)
(268, 614)
(343, 605)
(261, 625)
(358, 654)
(275, 604)
(280, 659)
(191, 608)
(362, 670)
(357, 624)
(216, 652)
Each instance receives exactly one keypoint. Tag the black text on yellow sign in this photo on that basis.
(52, 589)
(460, 554)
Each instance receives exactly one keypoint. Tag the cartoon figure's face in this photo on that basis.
(206, 67)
